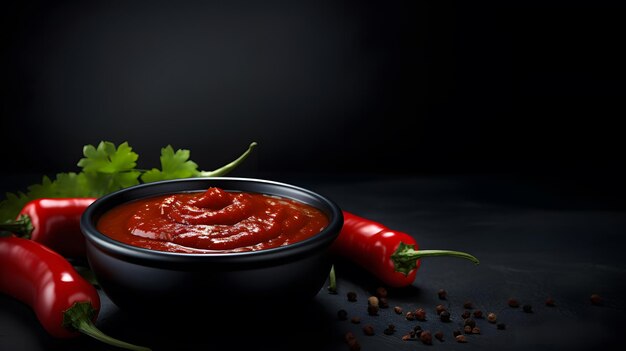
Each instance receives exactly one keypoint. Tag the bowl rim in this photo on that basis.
(135, 253)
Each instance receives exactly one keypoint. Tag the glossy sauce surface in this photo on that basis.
(212, 221)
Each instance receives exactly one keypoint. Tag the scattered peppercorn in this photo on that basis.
(352, 342)
(501, 326)
(354, 345)
(420, 314)
(596, 299)
(445, 316)
(550, 302)
(476, 330)
(470, 322)
(368, 330)
(527, 308)
(410, 316)
(417, 327)
(372, 310)
(390, 329)
(406, 337)
(467, 329)
(478, 314)
(349, 336)
(351, 296)
(456, 333)
(468, 305)
(439, 335)
(342, 315)
(440, 308)
(381, 292)
(417, 330)
(466, 314)
(491, 317)
(382, 302)
(397, 309)
(513, 303)
(426, 338)
(412, 333)
(372, 301)
(355, 320)
(460, 338)
(442, 294)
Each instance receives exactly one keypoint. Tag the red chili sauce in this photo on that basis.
(212, 221)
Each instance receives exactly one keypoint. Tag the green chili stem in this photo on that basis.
(78, 317)
(229, 167)
(405, 258)
(21, 227)
(332, 278)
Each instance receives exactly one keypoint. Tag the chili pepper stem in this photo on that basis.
(332, 278)
(229, 167)
(21, 227)
(405, 257)
(79, 316)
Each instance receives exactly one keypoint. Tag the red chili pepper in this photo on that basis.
(53, 222)
(390, 255)
(63, 301)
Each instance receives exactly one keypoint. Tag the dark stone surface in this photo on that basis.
(533, 241)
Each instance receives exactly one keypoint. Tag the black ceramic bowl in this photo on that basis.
(139, 278)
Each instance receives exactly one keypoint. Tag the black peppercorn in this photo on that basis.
(420, 314)
(368, 330)
(390, 329)
(445, 316)
(513, 303)
(351, 296)
(442, 294)
(382, 302)
(527, 308)
(354, 345)
(417, 330)
(372, 310)
(426, 337)
(439, 335)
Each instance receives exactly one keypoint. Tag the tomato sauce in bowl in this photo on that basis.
(213, 221)
(189, 245)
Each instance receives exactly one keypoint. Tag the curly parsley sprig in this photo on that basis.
(107, 168)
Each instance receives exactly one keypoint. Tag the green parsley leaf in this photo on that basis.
(12, 205)
(174, 165)
(107, 168)
(107, 158)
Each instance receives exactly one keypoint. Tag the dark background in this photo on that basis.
(530, 88)
(493, 127)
